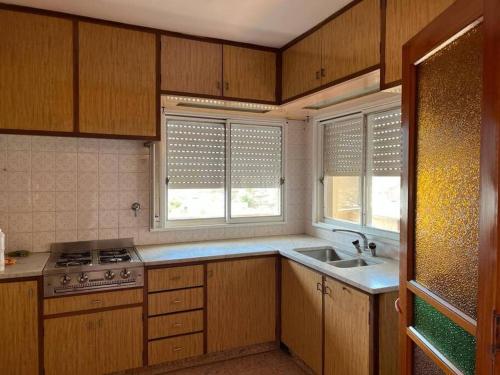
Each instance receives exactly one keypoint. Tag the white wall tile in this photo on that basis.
(43, 181)
(43, 161)
(20, 222)
(44, 221)
(66, 201)
(18, 161)
(66, 161)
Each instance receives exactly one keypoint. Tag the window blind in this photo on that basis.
(385, 143)
(195, 154)
(343, 147)
(255, 156)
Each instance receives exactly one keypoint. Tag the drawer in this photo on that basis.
(167, 350)
(177, 300)
(175, 278)
(175, 324)
(91, 301)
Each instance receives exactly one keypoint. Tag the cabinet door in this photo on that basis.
(301, 313)
(302, 66)
(241, 303)
(249, 73)
(404, 19)
(351, 41)
(36, 72)
(19, 328)
(347, 330)
(70, 345)
(191, 66)
(117, 81)
(119, 340)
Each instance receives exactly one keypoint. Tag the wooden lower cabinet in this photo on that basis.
(347, 330)
(241, 303)
(19, 328)
(95, 343)
(175, 348)
(301, 312)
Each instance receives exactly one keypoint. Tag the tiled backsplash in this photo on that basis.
(57, 189)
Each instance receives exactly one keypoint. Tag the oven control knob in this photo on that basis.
(83, 278)
(65, 279)
(125, 274)
(109, 275)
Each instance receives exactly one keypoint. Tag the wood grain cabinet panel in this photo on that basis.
(191, 66)
(36, 72)
(175, 324)
(350, 43)
(175, 278)
(302, 66)
(175, 348)
(241, 299)
(347, 330)
(249, 73)
(404, 19)
(98, 343)
(176, 300)
(117, 81)
(301, 312)
(19, 328)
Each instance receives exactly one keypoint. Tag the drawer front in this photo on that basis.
(175, 348)
(175, 324)
(177, 300)
(175, 278)
(92, 301)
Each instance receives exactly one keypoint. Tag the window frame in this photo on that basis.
(319, 219)
(159, 196)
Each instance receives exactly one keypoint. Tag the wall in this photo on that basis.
(385, 247)
(58, 189)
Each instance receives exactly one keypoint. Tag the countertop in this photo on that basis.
(374, 279)
(31, 265)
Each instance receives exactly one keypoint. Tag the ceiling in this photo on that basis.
(265, 22)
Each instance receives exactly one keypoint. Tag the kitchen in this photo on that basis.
(186, 188)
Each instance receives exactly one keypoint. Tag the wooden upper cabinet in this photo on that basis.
(241, 303)
(404, 19)
(249, 73)
(117, 81)
(301, 312)
(191, 66)
(36, 72)
(302, 66)
(350, 43)
(19, 328)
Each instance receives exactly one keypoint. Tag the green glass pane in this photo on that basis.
(423, 365)
(451, 340)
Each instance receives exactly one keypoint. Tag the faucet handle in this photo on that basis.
(372, 246)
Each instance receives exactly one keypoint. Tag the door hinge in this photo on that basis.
(322, 179)
(167, 180)
(282, 181)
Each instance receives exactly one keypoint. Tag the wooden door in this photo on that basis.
(301, 312)
(249, 73)
(347, 330)
(302, 66)
(404, 19)
(70, 345)
(350, 43)
(241, 303)
(191, 66)
(19, 328)
(117, 81)
(119, 340)
(36, 72)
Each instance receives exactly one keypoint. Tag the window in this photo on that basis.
(218, 171)
(361, 170)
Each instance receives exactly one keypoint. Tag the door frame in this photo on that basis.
(456, 18)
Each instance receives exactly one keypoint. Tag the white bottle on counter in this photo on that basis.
(2, 251)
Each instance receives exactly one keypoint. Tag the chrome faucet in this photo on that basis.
(366, 245)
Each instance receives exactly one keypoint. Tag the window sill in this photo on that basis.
(216, 226)
(376, 233)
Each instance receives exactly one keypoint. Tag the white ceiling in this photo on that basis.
(264, 22)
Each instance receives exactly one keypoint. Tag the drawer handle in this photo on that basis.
(95, 301)
(328, 291)
(177, 300)
(346, 289)
(175, 278)
(178, 348)
(177, 324)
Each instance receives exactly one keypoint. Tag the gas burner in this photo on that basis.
(113, 252)
(72, 262)
(76, 255)
(114, 259)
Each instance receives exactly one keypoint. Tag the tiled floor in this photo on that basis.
(269, 363)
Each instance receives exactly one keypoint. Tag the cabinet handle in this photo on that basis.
(346, 289)
(95, 302)
(177, 325)
(218, 85)
(397, 306)
(178, 348)
(226, 86)
(177, 300)
(328, 291)
(319, 287)
(323, 71)
(317, 75)
(175, 278)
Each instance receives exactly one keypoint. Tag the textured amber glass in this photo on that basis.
(423, 365)
(449, 88)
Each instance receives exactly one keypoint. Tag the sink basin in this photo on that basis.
(323, 254)
(350, 263)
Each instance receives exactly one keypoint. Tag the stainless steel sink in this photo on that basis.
(323, 254)
(350, 263)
